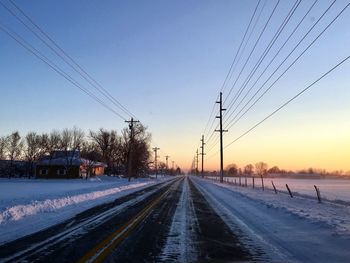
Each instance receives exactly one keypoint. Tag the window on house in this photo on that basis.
(44, 172)
(61, 171)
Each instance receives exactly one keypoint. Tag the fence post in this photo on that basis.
(290, 192)
(253, 182)
(318, 193)
(274, 187)
(246, 184)
(262, 182)
(240, 184)
(235, 182)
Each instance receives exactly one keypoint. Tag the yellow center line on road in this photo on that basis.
(102, 249)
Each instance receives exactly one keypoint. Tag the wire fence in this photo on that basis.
(328, 189)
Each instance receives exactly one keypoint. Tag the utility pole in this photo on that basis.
(155, 149)
(172, 166)
(131, 144)
(197, 162)
(194, 165)
(166, 159)
(221, 140)
(202, 147)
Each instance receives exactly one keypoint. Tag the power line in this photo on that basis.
(239, 58)
(265, 52)
(71, 62)
(240, 45)
(319, 35)
(210, 117)
(274, 57)
(248, 39)
(288, 101)
(253, 49)
(53, 66)
(235, 62)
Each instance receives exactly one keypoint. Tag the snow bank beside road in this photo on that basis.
(289, 230)
(18, 212)
(28, 206)
(334, 215)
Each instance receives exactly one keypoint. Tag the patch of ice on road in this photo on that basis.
(179, 245)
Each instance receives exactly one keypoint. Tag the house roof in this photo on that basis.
(73, 162)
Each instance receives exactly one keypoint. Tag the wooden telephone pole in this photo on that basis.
(155, 149)
(131, 144)
(197, 162)
(221, 140)
(166, 160)
(202, 147)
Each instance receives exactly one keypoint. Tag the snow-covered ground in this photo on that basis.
(27, 206)
(295, 229)
(331, 189)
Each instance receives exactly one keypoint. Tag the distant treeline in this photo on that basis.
(19, 154)
(262, 169)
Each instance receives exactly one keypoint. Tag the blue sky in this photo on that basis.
(166, 61)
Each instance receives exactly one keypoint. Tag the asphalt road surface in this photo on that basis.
(170, 222)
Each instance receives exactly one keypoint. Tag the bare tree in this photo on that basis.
(14, 150)
(109, 144)
(274, 170)
(50, 142)
(162, 167)
(90, 153)
(249, 169)
(32, 150)
(261, 169)
(232, 169)
(140, 148)
(71, 142)
(4, 142)
(53, 141)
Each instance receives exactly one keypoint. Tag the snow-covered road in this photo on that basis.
(180, 242)
(187, 219)
(288, 230)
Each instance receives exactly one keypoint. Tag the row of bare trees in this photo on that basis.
(107, 146)
(260, 168)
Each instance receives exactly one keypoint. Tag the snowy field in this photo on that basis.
(295, 229)
(27, 206)
(331, 189)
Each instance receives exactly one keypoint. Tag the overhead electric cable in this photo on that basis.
(236, 62)
(268, 65)
(302, 53)
(264, 54)
(240, 45)
(253, 49)
(70, 61)
(289, 101)
(53, 66)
